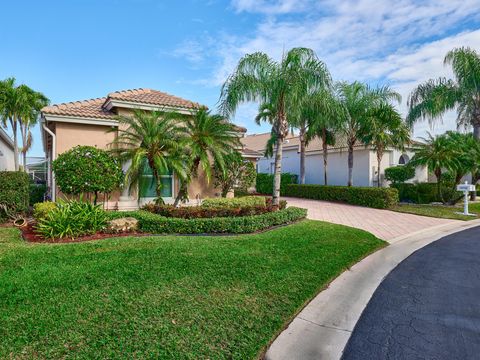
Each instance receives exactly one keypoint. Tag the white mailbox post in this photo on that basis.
(466, 188)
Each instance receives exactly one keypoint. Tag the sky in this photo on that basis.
(80, 49)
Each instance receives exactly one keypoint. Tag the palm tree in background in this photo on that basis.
(358, 101)
(282, 85)
(433, 98)
(209, 140)
(385, 128)
(153, 139)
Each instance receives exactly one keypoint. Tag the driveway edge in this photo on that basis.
(321, 330)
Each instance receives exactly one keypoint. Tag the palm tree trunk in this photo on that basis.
(476, 130)
(325, 156)
(379, 162)
(23, 131)
(350, 161)
(182, 191)
(277, 173)
(13, 123)
(302, 155)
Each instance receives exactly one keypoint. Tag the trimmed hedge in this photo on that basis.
(424, 193)
(380, 198)
(14, 191)
(264, 184)
(210, 203)
(157, 224)
(400, 173)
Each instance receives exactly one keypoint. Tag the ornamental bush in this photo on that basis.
(425, 193)
(234, 202)
(380, 198)
(86, 169)
(399, 174)
(42, 209)
(264, 184)
(157, 224)
(14, 192)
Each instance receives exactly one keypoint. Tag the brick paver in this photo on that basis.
(384, 224)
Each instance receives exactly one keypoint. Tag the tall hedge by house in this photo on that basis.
(380, 198)
(14, 191)
(425, 193)
(264, 183)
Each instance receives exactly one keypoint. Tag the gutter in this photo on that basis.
(54, 152)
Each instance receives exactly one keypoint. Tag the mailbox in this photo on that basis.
(466, 187)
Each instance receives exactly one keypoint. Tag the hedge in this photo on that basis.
(14, 191)
(264, 183)
(157, 224)
(380, 198)
(424, 193)
(233, 202)
(400, 173)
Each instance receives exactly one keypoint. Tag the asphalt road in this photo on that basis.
(428, 307)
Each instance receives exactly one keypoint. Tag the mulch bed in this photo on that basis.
(28, 234)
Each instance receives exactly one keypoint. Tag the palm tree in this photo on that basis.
(384, 129)
(10, 101)
(153, 139)
(358, 100)
(209, 139)
(433, 98)
(281, 85)
(32, 103)
(438, 155)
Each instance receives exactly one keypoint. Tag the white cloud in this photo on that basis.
(271, 7)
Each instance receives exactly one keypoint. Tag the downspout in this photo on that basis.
(54, 152)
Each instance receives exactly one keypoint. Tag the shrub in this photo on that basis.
(399, 174)
(86, 169)
(195, 212)
(234, 202)
(425, 193)
(72, 219)
(238, 173)
(37, 193)
(380, 198)
(264, 183)
(42, 209)
(14, 191)
(157, 224)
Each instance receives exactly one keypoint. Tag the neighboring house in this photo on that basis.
(364, 163)
(88, 122)
(7, 161)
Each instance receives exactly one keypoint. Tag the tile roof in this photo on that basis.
(252, 153)
(94, 108)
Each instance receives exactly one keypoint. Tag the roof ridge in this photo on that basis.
(75, 103)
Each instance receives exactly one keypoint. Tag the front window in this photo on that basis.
(148, 184)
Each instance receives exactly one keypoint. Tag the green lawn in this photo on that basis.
(166, 297)
(439, 211)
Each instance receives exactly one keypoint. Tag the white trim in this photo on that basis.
(109, 104)
(53, 184)
(80, 120)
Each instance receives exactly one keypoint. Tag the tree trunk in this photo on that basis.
(325, 156)
(278, 172)
(476, 130)
(15, 144)
(182, 191)
(438, 175)
(351, 143)
(379, 162)
(302, 155)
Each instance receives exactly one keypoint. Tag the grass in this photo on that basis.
(439, 211)
(219, 297)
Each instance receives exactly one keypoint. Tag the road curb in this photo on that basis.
(321, 330)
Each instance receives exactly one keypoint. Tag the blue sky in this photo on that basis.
(79, 49)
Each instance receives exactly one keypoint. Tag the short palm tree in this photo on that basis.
(433, 98)
(385, 128)
(209, 139)
(282, 85)
(153, 139)
(358, 100)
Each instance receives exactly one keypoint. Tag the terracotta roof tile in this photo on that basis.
(92, 108)
(153, 97)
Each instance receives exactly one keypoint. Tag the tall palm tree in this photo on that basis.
(438, 155)
(153, 139)
(433, 98)
(209, 139)
(358, 100)
(282, 85)
(384, 129)
(32, 103)
(10, 101)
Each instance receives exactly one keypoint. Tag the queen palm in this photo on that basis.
(152, 139)
(385, 128)
(282, 85)
(433, 98)
(358, 100)
(209, 139)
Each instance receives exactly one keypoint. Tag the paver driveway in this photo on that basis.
(386, 225)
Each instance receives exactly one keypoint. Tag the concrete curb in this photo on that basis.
(321, 330)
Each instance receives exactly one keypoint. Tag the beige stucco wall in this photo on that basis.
(7, 162)
(70, 135)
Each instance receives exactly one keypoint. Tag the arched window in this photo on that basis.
(404, 159)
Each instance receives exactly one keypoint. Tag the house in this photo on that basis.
(364, 166)
(7, 161)
(88, 122)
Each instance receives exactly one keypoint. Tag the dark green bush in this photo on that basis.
(425, 193)
(234, 202)
(264, 183)
(380, 198)
(399, 174)
(37, 193)
(72, 219)
(14, 191)
(156, 224)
